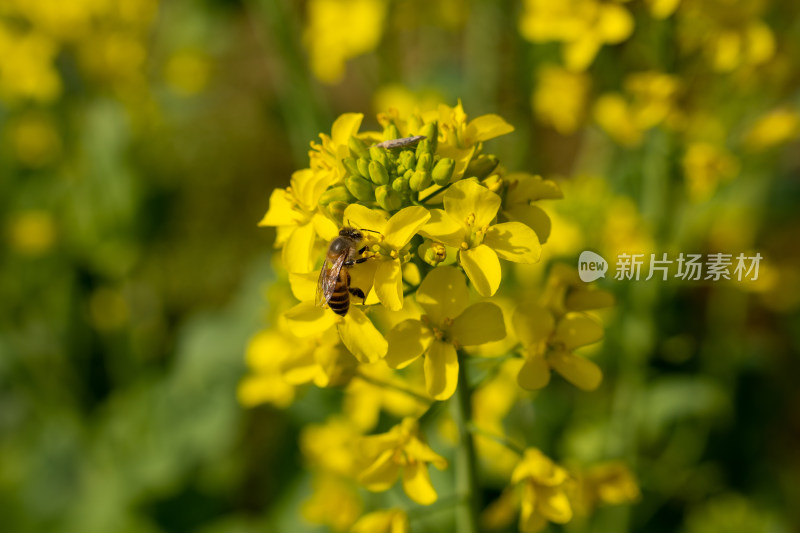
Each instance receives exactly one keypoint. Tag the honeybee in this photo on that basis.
(400, 143)
(333, 288)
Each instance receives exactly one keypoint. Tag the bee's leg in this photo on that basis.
(358, 293)
(355, 261)
(362, 250)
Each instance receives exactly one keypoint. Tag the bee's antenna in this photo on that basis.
(370, 230)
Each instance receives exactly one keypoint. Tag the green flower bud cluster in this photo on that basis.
(390, 175)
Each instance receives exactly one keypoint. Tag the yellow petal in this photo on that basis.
(533, 324)
(381, 474)
(444, 228)
(345, 126)
(308, 186)
(579, 54)
(362, 276)
(615, 23)
(389, 284)
(391, 521)
(304, 286)
(280, 211)
(324, 227)
(578, 329)
(263, 347)
(529, 520)
(306, 319)
(467, 201)
(361, 337)
(373, 446)
(514, 241)
(404, 225)
(487, 127)
(443, 293)
(300, 367)
(581, 372)
(417, 483)
(441, 370)
(336, 364)
(479, 323)
(532, 216)
(525, 188)
(500, 513)
(407, 341)
(297, 252)
(535, 373)
(483, 269)
(362, 217)
(420, 451)
(553, 504)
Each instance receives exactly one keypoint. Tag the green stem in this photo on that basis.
(465, 460)
(400, 388)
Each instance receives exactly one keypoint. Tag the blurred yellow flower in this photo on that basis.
(584, 26)
(331, 447)
(400, 451)
(539, 489)
(560, 97)
(399, 97)
(326, 157)
(465, 223)
(264, 356)
(187, 72)
(448, 324)
(774, 128)
(376, 388)
(548, 344)
(339, 30)
(606, 484)
(31, 232)
(334, 502)
(705, 166)
(35, 140)
(649, 101)
(388, 521)
(27, 69)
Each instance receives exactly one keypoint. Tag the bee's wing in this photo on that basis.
(327, 279)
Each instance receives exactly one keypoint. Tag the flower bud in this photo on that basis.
(420, 180)
(424, 162)
(407, 159)
(400, 184)
(432, 253)
(336, 194)
(390, 132)
(481, 166)
(431, 133)
(380, 155)
(360, 188)
(443, 171)
(377, 173)
(408, 174)
(388, 198)
(494, 182)
(363, 167)
(423, 147)
(357, 147)
(351, 166)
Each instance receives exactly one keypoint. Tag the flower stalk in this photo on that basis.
(465, 460)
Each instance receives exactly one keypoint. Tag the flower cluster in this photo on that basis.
(433, 215)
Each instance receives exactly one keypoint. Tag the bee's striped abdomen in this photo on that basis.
(340, 299)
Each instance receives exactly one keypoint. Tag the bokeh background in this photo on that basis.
(140, 143)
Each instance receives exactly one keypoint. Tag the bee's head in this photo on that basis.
(351, 233)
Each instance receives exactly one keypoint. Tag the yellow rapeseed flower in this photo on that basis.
(385, 521)
(466, 224)
(400, 452)
(548, 344)
(560, 97)
(449, 323)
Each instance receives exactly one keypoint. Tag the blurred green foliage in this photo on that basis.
(140, 142)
